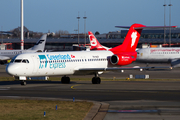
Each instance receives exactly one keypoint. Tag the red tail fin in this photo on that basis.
(95, 45)
(131, 40)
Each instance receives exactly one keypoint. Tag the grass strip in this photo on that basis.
(34, 109)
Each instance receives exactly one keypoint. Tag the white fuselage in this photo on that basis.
(57, 63)
(158, 54)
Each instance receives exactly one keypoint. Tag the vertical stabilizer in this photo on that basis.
(40, 45)
(95, 45)
(131, 39)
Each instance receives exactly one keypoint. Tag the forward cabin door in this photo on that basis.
(36, 65)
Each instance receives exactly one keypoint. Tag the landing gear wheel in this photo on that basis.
(65, 80)
(93, 80)
(23, 82)
(96, 80)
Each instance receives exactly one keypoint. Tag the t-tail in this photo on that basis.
(131, 39)
(40, 45)
(95, 45)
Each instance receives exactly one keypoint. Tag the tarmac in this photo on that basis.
(125, 100)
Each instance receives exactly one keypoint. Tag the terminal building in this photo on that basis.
(149, 38)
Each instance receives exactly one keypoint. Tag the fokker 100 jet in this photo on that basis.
(38, 47)
(77, 62)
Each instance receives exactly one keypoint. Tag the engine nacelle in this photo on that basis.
(122, 59)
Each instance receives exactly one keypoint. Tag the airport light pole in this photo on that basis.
(78, 27)
(85, 28)
(1, 34)
(22, 26)
(164, 23)
(170, 23)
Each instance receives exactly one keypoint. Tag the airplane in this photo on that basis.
(77, 62)
(95, 45)
(38, 47)
(160, 55)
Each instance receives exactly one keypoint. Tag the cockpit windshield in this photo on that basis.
(13, 59)
(19, 61)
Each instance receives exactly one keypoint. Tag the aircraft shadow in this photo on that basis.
(32, 82)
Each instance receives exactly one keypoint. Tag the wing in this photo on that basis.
(175, 62)
(95, 70)
(4, 58)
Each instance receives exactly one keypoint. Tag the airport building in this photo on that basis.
(149, 38)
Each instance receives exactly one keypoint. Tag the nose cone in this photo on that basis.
(12, 69)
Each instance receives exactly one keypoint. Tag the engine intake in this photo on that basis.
(121, 59)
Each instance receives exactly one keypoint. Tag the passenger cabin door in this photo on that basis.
(35, 65)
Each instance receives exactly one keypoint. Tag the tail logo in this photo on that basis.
(93, 41)
(40, 42)
(133, 36)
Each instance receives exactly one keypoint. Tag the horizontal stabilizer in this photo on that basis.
(147, 27)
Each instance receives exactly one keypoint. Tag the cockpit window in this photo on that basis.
(13, 59)
(27, 61)
(20, 61)
(23, 61)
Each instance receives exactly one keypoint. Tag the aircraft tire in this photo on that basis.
(23, 82)
(65, 80)
(96, 80)
(93, 80)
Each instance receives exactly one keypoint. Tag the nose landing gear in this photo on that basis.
(23, 82)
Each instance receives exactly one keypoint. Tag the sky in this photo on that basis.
(102, 15)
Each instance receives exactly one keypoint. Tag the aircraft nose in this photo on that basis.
(11, 69)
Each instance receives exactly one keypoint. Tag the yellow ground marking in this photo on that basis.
(72, 87)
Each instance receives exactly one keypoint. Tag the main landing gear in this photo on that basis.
(65, 79)
(23, 82)
(96, 79)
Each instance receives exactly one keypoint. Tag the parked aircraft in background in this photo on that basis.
(77, 62)
(160, 55)
(95, 45)
(38, 47)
